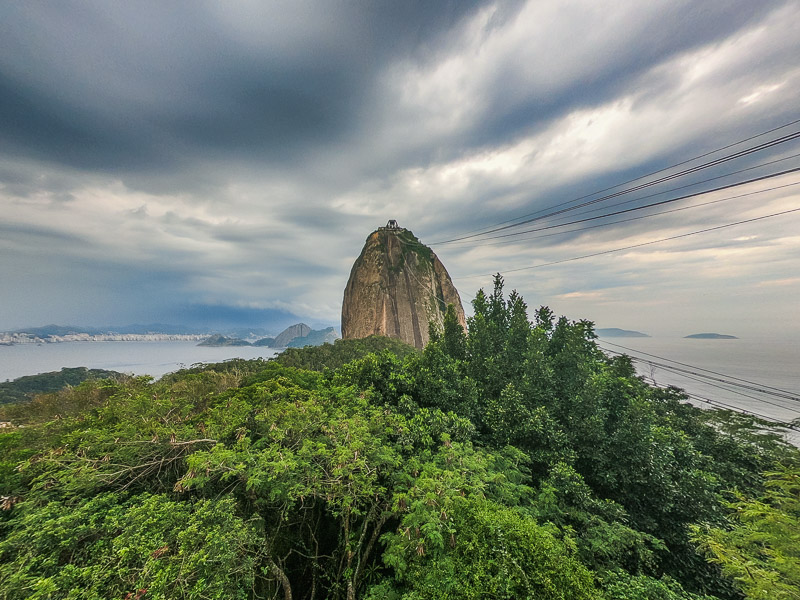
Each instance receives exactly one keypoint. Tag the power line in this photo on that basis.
(714, 402)
(771, 162)
(705, 380)
(758, 135)
(719, 404)
(657, 214)
(725, 380)
(722, 387)
(758, 400)
(674, 237)
(643, 207)
(694, 169)
(697, 368)
(478, 242)
(739, 409)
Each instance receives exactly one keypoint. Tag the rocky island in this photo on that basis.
(610, 332)
(216, 341)
(710, 336)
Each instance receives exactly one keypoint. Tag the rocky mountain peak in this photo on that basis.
(396, 287)
(287, 335)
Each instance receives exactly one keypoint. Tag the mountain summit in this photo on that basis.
(396, 287)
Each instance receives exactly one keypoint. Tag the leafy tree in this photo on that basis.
(762, 549)
(619, 585)
(115, 545)
(341, 352)
(492, 552)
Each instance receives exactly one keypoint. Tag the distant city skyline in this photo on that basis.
(191, 163)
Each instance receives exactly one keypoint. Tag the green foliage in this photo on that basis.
(235, 367)
(604, 537)
(55, 405)
(411, 244)
(619, 585)
(112, 546)
(492, 552)
(511, 461)
(762, 549)
(333, 356)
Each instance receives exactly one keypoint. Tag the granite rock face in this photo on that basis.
(396, 287)
(316, 337)
(287, 335)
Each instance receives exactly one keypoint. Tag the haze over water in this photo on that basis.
(138, 358)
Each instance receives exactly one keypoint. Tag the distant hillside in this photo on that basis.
(616, 332)
(156, 328)
(710, 336)
(24, 388)
(221, 340)
(298, 330)
(316, 337)
(295, 336)
(46, 331)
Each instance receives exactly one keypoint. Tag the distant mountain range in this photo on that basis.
(61, 330)
(315, 337)
(294, 336)
(47, 331)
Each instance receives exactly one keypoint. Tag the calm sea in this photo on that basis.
(763, 362)
(139, 358)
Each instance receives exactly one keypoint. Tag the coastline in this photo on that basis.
(13, 339)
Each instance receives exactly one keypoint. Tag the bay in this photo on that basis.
(138, 358)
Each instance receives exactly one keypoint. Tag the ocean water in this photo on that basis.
(763, 362)
(138, 358)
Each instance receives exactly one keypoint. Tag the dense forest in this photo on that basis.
(514, 460)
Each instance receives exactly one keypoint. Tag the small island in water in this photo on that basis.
(710, 336)
(616, 332)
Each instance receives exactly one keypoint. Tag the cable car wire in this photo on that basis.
(667, 239)
(715, 162)
(687, 161)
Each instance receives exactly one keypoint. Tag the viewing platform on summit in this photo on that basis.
(391, 226)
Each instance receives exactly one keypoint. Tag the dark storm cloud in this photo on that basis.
(628, 52)
(145, 86)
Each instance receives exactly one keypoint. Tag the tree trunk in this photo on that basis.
(281, 576)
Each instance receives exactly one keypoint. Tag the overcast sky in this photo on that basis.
(181, 161)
